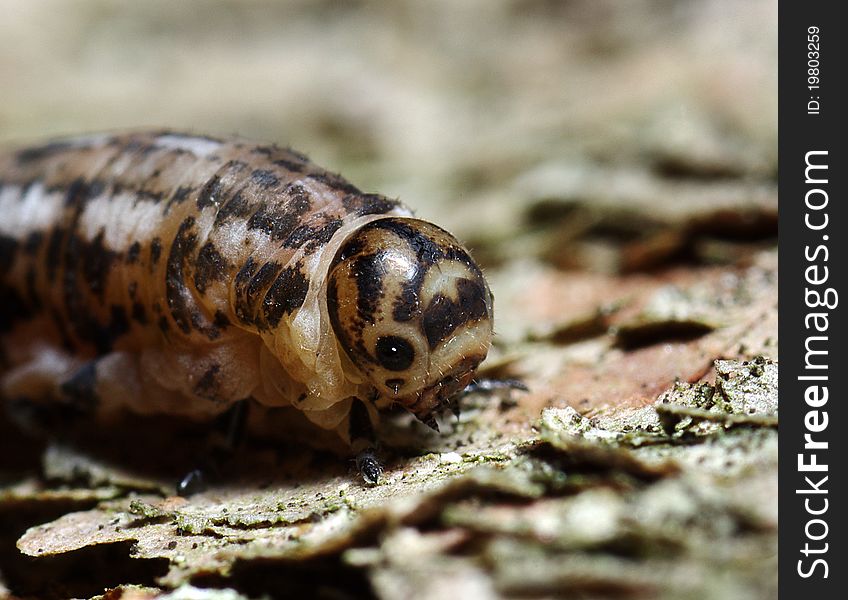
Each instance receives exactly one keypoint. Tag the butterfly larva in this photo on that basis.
(170, 273)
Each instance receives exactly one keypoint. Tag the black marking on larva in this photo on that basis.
(76, 192)
(97, 261)
(286, 294)
(33, 243)
(408, 303)
(235, 207)
(61, 325)
(246, 272)
(298, 155)
(277, 221)
(264, 150)
(248, 291)
(312, 237)
(118, 325)
(139, 315)
(263, 278)
(139, 147)
(132, 289)
(117, 187)
(439, 320)
(95, 188)
(179, 297)
(334, 181)
(80, 390)
(241, 281)
(236, 166)
(350, 248)
(164, 326)
(368, 204)
(323, 235)
(201, 323)
(180, 195)
(221, 320)
(89, 328)
(210, 266)
(333, 308)
(79, 192)
(155, 251)
(25, 189)
(79, 319)
(394, 353)
(214, 191)
(41, 152)
(32, 291)
(368, 271)
(427, 251)
(145, 195)
(289, 165)
(300, 199)
(302, 235)
(210, 193)
(133, 253)
(8, 250)
(15, 308)
(443, 316)
(265, 179)
(457, 254)
(472, 298)
(206, 387)
(54, 252)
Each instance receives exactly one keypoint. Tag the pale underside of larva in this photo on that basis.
(178, 274)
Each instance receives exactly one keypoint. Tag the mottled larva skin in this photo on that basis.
(178, 274)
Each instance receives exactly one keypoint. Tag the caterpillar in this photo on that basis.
(161, 272)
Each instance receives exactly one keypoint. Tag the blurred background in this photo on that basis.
(479, 106)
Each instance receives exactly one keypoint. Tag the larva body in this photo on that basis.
(178, 274)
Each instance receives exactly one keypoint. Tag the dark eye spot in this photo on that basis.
(395, 353)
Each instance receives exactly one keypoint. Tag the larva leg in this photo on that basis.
(236, 421)
(363, 439)
(193, 483)
(369, 466)
(233, 423)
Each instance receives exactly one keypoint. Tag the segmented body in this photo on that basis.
(178, 274)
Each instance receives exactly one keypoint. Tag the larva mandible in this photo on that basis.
(170, 273)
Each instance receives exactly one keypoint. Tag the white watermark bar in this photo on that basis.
(813, 57)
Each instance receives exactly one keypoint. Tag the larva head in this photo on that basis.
(411, 310)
